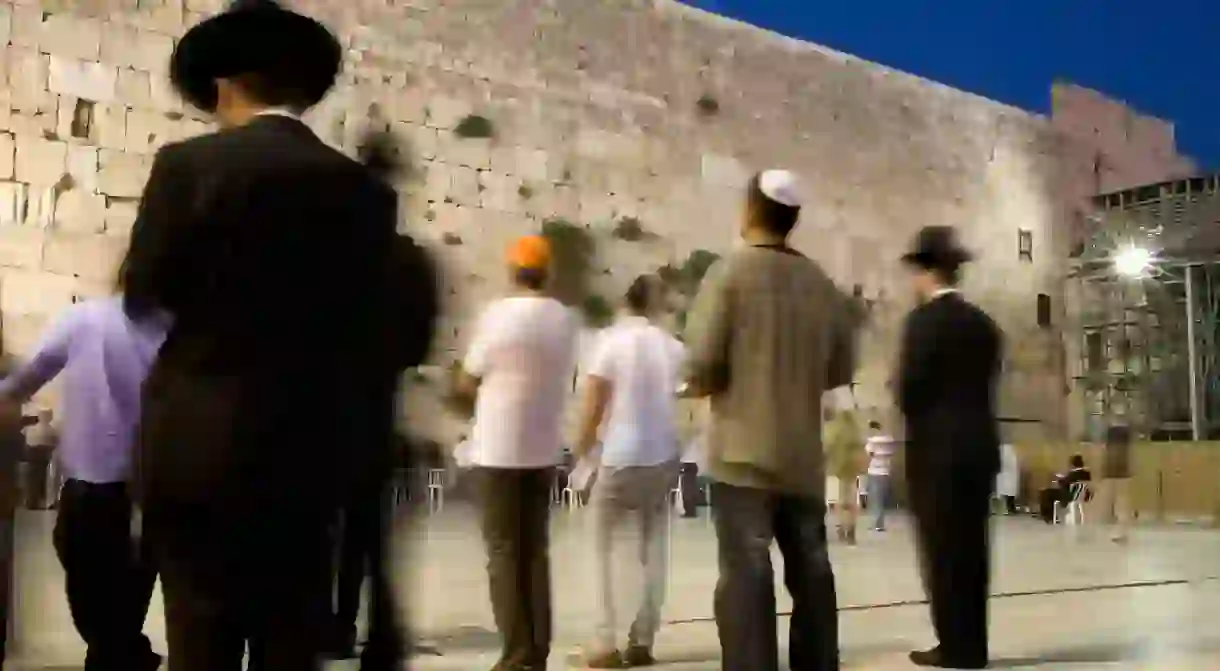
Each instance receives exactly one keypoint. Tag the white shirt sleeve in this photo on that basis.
(481, 344)
(602, 361)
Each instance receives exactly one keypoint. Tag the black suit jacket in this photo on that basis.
(277, 258)
(949, 370)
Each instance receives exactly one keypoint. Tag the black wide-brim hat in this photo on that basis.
(937, 247)
(256, 37)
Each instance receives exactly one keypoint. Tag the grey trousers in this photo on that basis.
(642, 491)
(747, 521)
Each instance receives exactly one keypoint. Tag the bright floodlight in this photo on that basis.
(1132, 261)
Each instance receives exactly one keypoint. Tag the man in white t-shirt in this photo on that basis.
(631, 383)
(519, 369)
(880, 449)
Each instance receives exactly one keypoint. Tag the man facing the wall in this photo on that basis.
(768, 335)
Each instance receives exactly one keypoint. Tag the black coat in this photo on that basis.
(277, 258)
(948, 373)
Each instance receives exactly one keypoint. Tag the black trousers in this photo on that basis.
(747, 520)
(257, 577)
(691, 495)
(515, 525)
(953, 529)
(37, 471)
(364, 535)
(108, 579)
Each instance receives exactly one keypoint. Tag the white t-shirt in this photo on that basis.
(641, 362)
(523, 350)
(881, 452)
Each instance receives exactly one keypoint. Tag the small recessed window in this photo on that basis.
(1044, 311)
(1025, 245)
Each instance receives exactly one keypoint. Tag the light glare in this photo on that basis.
(1132, 261)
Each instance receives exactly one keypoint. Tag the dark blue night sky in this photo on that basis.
(1162, 58)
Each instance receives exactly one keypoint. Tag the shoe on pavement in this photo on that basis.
(934, 658)
(604, 660)
(639, 655)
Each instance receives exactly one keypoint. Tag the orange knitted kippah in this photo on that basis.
(531, 251)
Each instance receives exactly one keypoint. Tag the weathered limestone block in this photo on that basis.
(147, 131)
(121, 174)
(128, 46)
(464, 186)
(134, 87)
(531, 164)
(40, 206)
(22, 333)
(25, 25)
(13, 197)
(40, 162)
(79, 211)
(445, 112)
(8, 149)
(34, 292)
(499, 192)
(120, 216)
(83, 167)
(469, 152)
(28, 75)
(89, 80)
(89, 256)
(64, 34)
(109, 127)
(21, 247)
(6, 23)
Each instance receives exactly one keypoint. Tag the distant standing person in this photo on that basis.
(880, 450)
(842, 443)
(103, 358)
(948, 372)
(768, 334)
(1114, 490)
(518, 370)
(629, 387)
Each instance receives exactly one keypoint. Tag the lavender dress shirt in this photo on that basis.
(103, 358)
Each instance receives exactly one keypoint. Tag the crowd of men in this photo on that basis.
(215, 406)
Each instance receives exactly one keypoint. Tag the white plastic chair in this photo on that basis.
(436, 489)
(570, 497)
(1073, 514)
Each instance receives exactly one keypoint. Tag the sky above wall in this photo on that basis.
(1160, 58)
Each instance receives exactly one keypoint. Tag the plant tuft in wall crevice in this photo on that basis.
(707, 105)
(597, 310)
(474, 126)
(573, 250)
(631, 229)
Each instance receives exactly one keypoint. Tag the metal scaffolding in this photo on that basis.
(1148, 345)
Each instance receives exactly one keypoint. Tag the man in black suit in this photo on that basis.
(949, 368)
(272, 400)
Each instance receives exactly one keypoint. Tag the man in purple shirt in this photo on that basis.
(102, 357)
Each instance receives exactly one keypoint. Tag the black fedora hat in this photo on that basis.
(937, 247)
(296, 52)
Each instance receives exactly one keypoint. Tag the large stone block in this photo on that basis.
(134, 47)
(21, 247)
(13, 197)
(92, 257)
(64, 34)
(147, 131)
(25, 26)
(24, 292)
(8, 149)
(79, 211)
(40, 162)
(134, 88)
(83, 167)
(28, 75)
(109, 127)
(120, 216)
(122, 175)
(89, 80)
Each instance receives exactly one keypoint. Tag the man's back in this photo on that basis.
(641, 362)
(948, 389)
(523, 350)
(271, 253)
(776, 334)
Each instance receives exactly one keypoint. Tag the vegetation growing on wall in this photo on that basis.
(598, 311)
(630, 229)
(573, 249)
(684, 279)
(707, 105)
(475, 126)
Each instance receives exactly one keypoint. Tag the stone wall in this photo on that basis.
(600, 111)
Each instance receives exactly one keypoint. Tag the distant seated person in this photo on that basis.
(1061, 490)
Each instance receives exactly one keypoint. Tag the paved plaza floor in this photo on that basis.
(1061, 601)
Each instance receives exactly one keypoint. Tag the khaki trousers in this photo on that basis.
(516, 517)
(1113, 504)
(641, 491)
